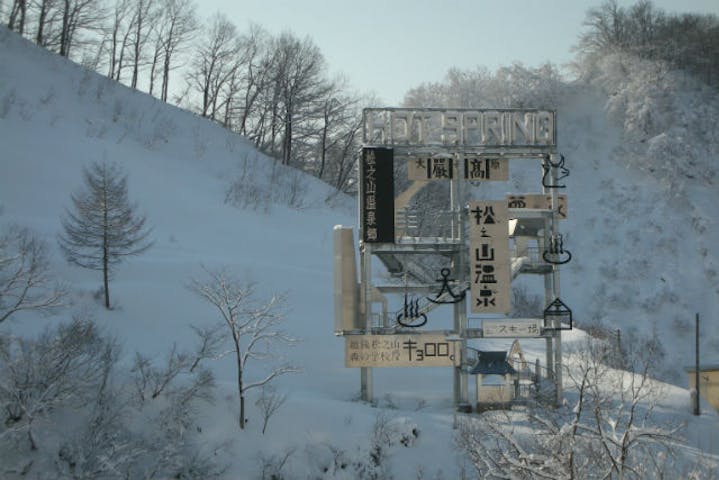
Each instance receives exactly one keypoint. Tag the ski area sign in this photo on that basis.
(467, 129)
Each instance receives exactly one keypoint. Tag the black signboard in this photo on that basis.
(377, 195)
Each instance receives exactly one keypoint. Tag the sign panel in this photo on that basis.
(485, 128)
(490, 290)
(539, 201)
(402, 350)
(512, 327)
(470, 168)
(377, 195)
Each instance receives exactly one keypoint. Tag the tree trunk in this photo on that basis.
(31, 437)
(242, 411)
(165, 77)
(65, 33)
(323, 148)
(105, 255)
(287, 140)
(137, 45)
(155, 57)
(42, 16)
(240, 389)
(105, 277)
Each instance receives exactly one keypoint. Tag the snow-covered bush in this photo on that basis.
(663, 112)
(69, 411)
(258, 187)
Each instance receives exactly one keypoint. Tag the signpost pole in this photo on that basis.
(548, 298)
(365, 308)
(557, 334)
(366, 372)
(697, 401)
(461, 376)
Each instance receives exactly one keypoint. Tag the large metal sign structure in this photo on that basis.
(469, 260)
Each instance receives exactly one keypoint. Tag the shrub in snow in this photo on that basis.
(71, 413)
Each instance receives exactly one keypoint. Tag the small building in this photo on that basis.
(496, 380)
(708, 382)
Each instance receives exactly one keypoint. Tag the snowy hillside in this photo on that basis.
(644, 189)
(56, 118)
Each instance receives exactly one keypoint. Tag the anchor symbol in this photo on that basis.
(547, 165)
(556, 250)
(446, 288)
(411, 312)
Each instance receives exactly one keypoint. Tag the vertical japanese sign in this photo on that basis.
(377, 195)
(489, 257)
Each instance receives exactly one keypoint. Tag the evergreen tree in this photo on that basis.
(103, 227)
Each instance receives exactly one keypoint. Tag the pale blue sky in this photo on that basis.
(389, 46)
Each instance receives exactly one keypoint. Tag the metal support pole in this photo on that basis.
(549, 348)
(366, 392)
(461, 378)
(556, 286)
(697, 409)
(548, 298)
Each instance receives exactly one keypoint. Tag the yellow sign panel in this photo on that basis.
(489, 257)
(401, 350)
(538, 201)
(481, 169)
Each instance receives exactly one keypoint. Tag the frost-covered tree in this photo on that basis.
(103, 227)
(608, 430)
(515, 86)
(38, 376)
(686, 41)
(25, 279)
(253, 325)
(65, 398)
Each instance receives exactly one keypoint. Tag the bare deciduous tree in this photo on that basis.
(104, 227)
(269, 402)
(60, 396)
(175, 26)
(119, 32)
(215, 64)
(36, 376)
(78, 16)
(25, 278)
(608, 432)
(145, 14)
(18, 13)
(301, 87)
(253, 325)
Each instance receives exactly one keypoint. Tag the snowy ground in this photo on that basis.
(55, 118)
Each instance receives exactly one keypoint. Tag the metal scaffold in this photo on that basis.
(456, 256)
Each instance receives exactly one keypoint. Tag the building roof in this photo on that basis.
(493, 363)
(703, 367)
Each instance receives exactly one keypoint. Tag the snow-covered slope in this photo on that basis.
(56, 118)
(643, 234)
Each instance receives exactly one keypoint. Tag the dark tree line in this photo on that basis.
(273, 89)
(687, 41)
